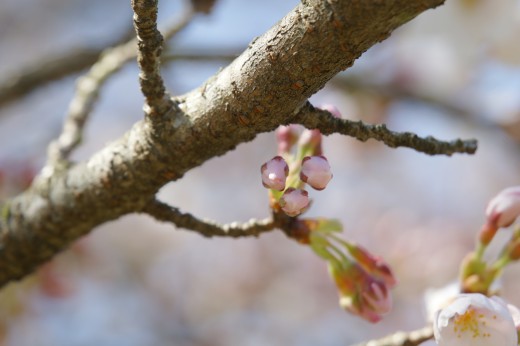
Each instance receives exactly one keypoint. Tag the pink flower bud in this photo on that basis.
(294, 201)
(374, 265)
(311, 139)
(487, 233)
(504, 208)
(360, 293)
(286, 136)
(331, 109)
(377, 297)
(274, 173)
(316, 171)
(474, 319)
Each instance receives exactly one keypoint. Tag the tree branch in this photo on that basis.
(150, 44)
(52, 68)
(315, 118)
(87, 93)
(165, 213)
(88, 88)
(413, 338)
(394, 91)
(260, 90)
(47, 70)
(196, 56)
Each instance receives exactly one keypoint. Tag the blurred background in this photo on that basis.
(452, 72)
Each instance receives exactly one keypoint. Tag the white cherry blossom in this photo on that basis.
(475, 320)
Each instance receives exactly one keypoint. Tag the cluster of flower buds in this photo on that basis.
(313, 170)
(363, 280)
(477, 320)
(477, 275)
(300, 161)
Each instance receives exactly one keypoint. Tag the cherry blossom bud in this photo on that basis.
(312, 140)
(377, 297)
(514, 250)
(294, 201)
(476, 320)
(286, 136)
(332, 109)
(374, 265)
(316, 171)
(360, 293)
(487, 233)
(504, 208)
(274, 173)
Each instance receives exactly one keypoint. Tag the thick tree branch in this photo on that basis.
(314, 118)
(165, 213)
(413, 338)
(260, 90)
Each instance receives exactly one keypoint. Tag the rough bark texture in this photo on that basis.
(261, 89)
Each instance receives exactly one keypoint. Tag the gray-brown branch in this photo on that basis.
(52, 68)
(87, 92)
(315, 118)
(257, 92)
(413, 338)
(150, 44)
(47, 70)
(165, 213)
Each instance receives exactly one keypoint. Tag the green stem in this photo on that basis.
(344, 259)
(501, 262)
(479, 251)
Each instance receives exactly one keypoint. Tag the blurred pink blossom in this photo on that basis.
(312, 140)
(286, 137)
(332, 109)
(504, 208)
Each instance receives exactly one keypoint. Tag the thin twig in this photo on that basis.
(400, 92)
(314, 118)
(52, 68)
(165, 213)
(177, 26)
(21, 83)
(87, 93)
(149, 46)
(413, 338)
(88, 88)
